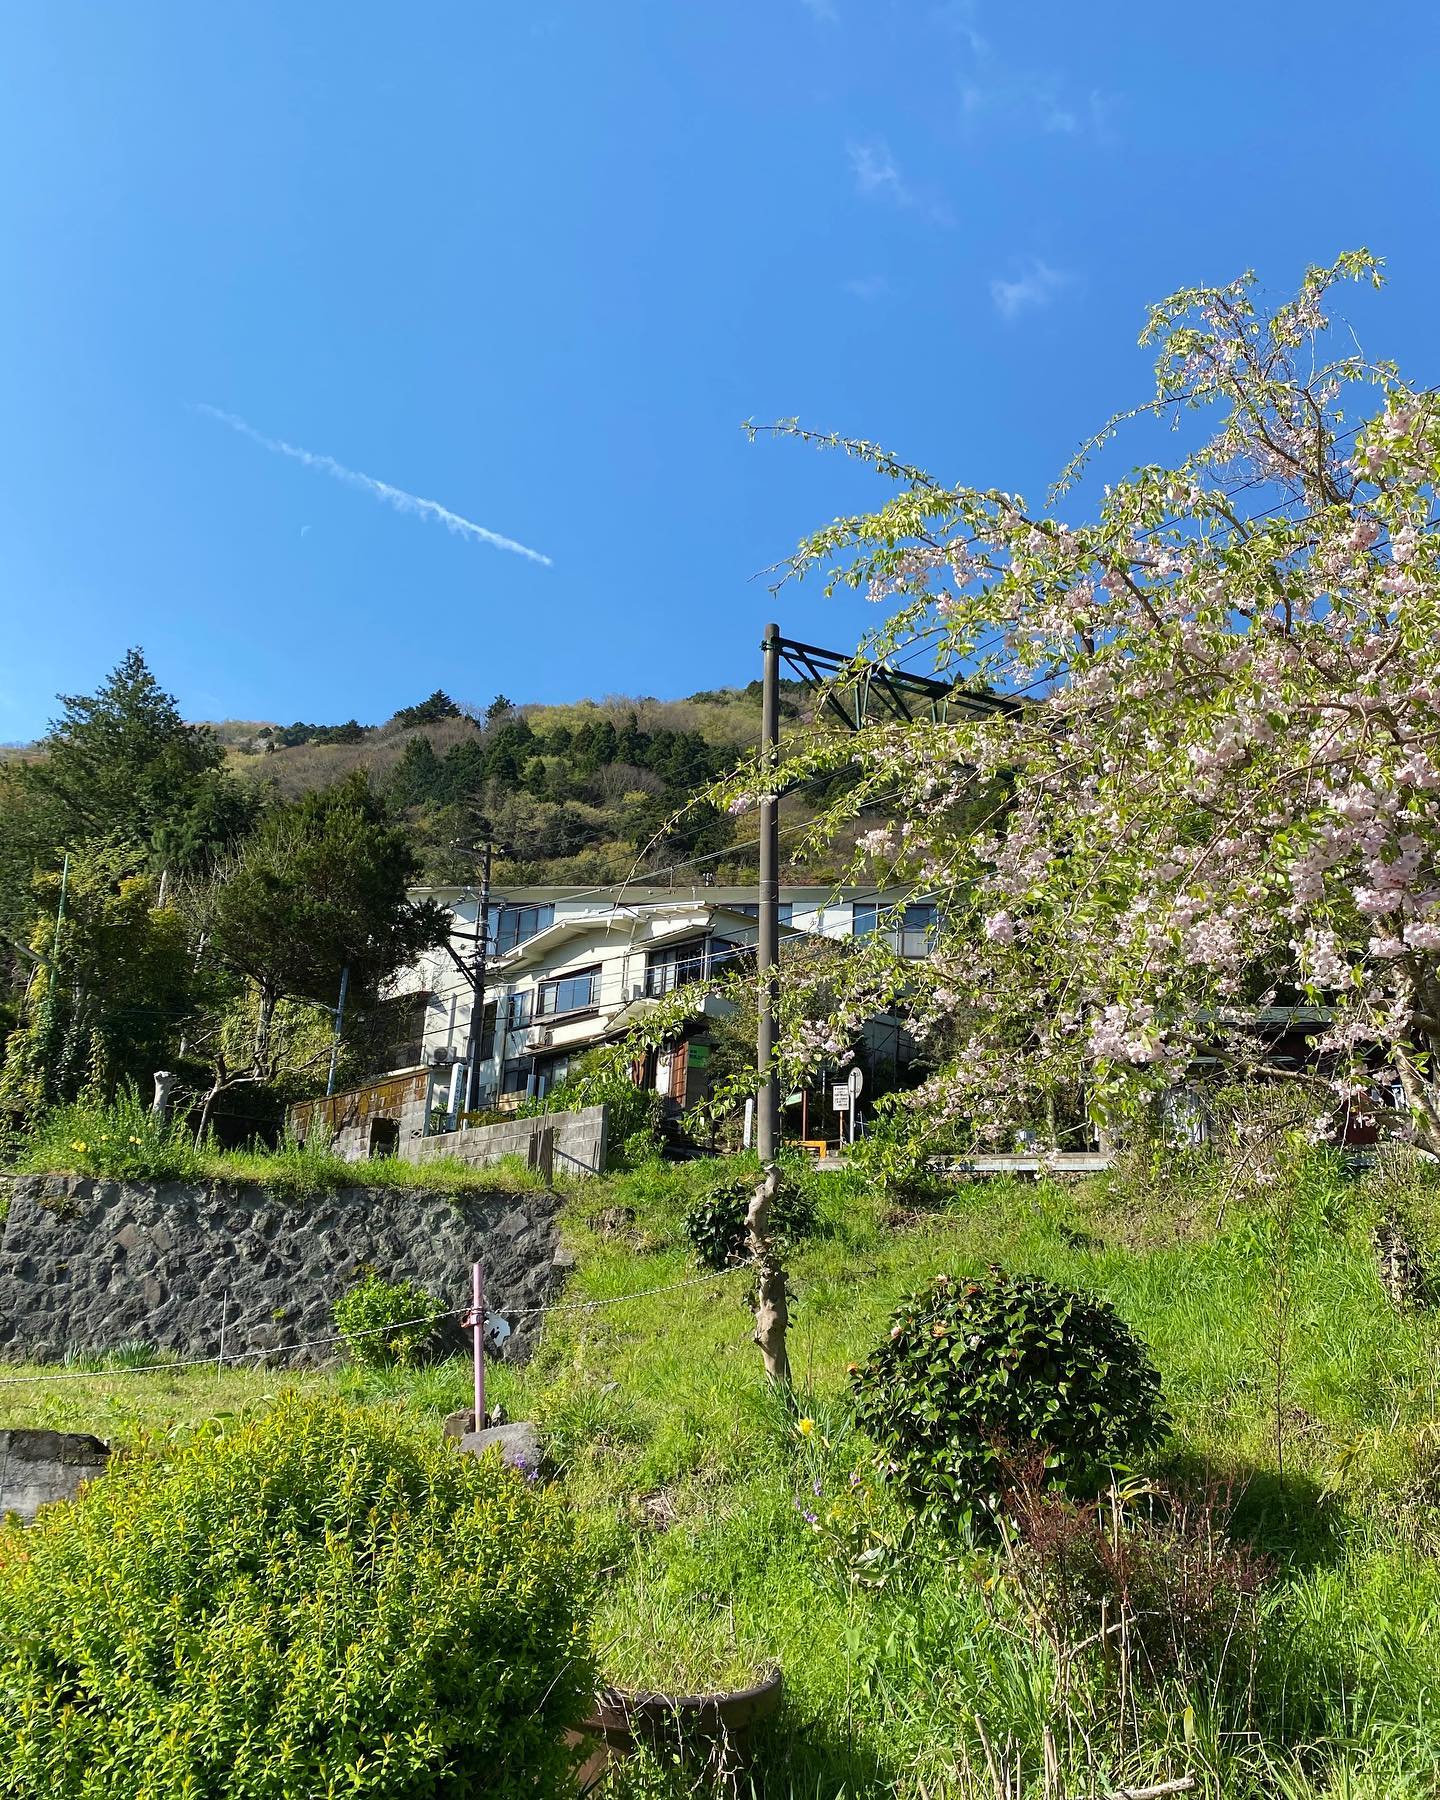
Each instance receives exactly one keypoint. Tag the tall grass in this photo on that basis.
(122, 1140)
(915, 1667)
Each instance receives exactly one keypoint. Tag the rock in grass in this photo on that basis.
(519, 1445)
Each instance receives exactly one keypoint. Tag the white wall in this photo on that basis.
(622, 935)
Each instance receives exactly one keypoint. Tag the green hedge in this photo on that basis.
(318, 1603)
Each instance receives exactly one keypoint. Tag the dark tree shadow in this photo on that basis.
(1290, 1518)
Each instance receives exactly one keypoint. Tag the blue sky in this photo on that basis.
(535, 264)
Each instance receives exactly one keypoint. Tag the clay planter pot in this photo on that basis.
(709, 1727)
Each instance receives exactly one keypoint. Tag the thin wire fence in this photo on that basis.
(229, 1359)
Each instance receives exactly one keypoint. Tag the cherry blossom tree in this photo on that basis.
(1215, 795)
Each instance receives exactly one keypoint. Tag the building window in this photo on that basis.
(672, 967)
(908, 930)
(567, 994)
(514, 924)
(751, 910)
(519, 1010)
(531, 1075)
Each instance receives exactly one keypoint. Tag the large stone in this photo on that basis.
(519, 1445)
(38, 1467)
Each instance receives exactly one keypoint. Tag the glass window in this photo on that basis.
(672, 967)
(520, 1010)
(514, 924)
(751, 910)
(917, 931)
(567, 993)
(908, 930)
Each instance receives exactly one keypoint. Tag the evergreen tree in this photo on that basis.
(419, 776)
(429, 712)
(121, 765)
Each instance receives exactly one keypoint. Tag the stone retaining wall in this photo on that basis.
(39, 1467)
(91, 1264)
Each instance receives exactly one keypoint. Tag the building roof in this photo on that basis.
(542, 947)
(632, 894)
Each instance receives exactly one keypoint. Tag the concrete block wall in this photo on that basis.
(579, 1139)
(347, 1121)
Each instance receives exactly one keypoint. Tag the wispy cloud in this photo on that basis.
(821, 11)
(1037, 287)
(959, 17)
(1033, 104)
(878, 177)
(877, 172)
(867, 287)
(380, 490)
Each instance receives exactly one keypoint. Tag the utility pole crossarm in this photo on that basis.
(857, 691)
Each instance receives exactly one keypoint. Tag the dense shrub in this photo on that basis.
(974, 1373)
(318, 1603)
(387, 1322)
(716, 1221)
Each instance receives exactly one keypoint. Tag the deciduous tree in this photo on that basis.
(1217, 791)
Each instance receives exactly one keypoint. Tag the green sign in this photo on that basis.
(699, 1055)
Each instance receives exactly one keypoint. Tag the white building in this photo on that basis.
(572, 968)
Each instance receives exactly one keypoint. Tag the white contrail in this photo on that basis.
(382, 490)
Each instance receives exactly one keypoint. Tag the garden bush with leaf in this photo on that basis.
(715, 1222)
(387, 1322)
(322, 1601)
(975, 1374)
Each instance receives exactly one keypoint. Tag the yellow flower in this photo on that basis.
(134, 1140)
(78, 1145)
(805, 1427)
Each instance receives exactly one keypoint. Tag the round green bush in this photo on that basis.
(316, 1603)
(716, 1221)
(977, 1377)
(387, 1322)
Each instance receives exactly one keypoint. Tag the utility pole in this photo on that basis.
(767, 1112)
(477, 987)
(339, 1016)
(772, 1316)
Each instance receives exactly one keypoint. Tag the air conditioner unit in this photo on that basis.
(442, 1056)
(637, 991)
(544, 1038)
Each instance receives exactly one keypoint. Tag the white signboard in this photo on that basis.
(840, 1097)
(857, 1081)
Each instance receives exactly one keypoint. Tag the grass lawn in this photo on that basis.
(1288, 1373)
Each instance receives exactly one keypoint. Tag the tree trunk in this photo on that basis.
(264, 1019)
(772, 1315)
(1420, 1098)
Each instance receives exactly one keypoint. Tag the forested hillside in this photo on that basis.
(186, 896)
(587, 792)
